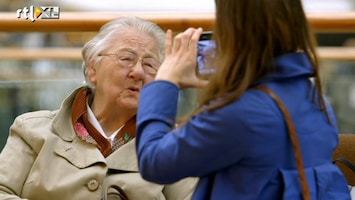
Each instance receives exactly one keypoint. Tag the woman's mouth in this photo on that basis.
(134, 89)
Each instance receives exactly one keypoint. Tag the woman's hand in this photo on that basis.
(180, 61)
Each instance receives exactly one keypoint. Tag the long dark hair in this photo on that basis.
(249, 35)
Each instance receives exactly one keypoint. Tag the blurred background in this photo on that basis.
(35, 84)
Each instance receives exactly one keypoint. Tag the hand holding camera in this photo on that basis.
(180, 59)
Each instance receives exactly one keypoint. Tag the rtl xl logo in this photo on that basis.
(45, 12)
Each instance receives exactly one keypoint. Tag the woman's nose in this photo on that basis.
(137, 70)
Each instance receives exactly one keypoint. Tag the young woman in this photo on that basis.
(237, 141)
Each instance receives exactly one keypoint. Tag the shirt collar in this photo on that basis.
(92, 119)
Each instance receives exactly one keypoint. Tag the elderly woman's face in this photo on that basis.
(129, 63)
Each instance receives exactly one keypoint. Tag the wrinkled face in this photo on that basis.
(124, 69)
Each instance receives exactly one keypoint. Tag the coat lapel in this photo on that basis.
(82, 154)
(72, 148)
(79, 153)
(62, 123)
(124, 158)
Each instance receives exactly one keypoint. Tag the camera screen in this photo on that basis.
(206, 56)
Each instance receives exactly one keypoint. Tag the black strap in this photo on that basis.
(118, 189)
(120, 193)
(346, 162)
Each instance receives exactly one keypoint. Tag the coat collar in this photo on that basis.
(290, 66)
(82, 154)
(62, 123)
(124, 158)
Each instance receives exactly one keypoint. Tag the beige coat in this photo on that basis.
(45, 160)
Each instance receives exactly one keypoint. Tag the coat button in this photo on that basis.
(93, 185)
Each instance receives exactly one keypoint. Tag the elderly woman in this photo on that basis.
(88, 145)
(240, 140)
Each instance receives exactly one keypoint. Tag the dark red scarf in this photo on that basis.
(87, 132)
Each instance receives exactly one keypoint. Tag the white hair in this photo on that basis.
(103, 39)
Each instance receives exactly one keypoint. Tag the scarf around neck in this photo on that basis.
(87, 132)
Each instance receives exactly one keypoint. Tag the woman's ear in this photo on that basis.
(92, 72)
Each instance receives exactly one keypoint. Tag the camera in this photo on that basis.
(206, 53)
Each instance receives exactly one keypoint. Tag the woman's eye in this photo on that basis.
(148, 65)
(125, 58)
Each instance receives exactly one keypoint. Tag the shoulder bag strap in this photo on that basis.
(292, 133)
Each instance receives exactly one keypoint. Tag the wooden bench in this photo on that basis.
(346, 149)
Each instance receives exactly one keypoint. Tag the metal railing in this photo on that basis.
(334, 22)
